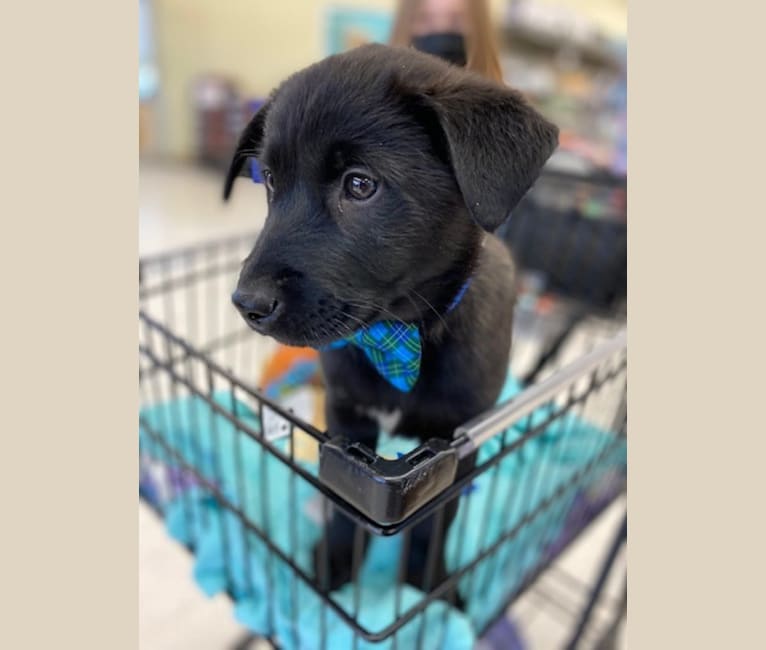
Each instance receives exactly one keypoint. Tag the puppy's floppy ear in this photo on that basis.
(248, 146)
(497, 143)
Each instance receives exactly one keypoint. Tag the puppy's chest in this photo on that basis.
(351, 379)
(371, 395)
(386, 418)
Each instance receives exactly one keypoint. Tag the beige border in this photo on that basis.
(69, 458)
(69, 471)
(695, 167)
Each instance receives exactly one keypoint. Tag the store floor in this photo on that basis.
(181, 205)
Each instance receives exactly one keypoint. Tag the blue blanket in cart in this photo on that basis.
(265, 588)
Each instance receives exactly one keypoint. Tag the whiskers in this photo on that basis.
(430, 306)
(358, 320)
(337, 328)
(369, 305)
(341, 323)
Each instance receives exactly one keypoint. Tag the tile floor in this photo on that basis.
(181, 205)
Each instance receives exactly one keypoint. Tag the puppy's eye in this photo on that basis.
(359, 186)
(268, 180)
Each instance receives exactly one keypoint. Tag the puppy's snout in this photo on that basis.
(259, 304)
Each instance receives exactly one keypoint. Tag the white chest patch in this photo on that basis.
(386, 420)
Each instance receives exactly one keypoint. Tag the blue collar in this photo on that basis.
(459, 296)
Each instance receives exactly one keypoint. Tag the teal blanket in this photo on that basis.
(283, 506)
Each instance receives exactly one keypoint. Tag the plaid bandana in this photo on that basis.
(394, 348)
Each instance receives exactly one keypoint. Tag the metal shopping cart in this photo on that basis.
(246, 484)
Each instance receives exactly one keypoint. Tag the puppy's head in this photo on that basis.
(383, 167)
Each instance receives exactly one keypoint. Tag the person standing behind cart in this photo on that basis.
(458, 31)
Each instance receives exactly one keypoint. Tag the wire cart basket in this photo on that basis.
(247, 485)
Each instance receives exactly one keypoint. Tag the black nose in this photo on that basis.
(257, 304)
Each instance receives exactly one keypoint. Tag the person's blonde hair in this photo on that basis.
(480, 42)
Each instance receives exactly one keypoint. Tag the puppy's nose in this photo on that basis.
(258, 304)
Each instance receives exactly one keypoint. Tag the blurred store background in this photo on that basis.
(205, 66)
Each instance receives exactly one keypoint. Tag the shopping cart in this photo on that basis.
(246, 484)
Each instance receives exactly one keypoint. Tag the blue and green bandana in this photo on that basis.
(394, 348)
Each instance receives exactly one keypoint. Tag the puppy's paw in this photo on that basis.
(416, 576)
(332, 566)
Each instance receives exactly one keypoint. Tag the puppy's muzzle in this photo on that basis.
(260, 304)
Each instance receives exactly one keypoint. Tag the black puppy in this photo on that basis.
(385, 170)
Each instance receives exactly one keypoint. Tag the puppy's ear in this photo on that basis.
(496, 142)
(248, 146)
